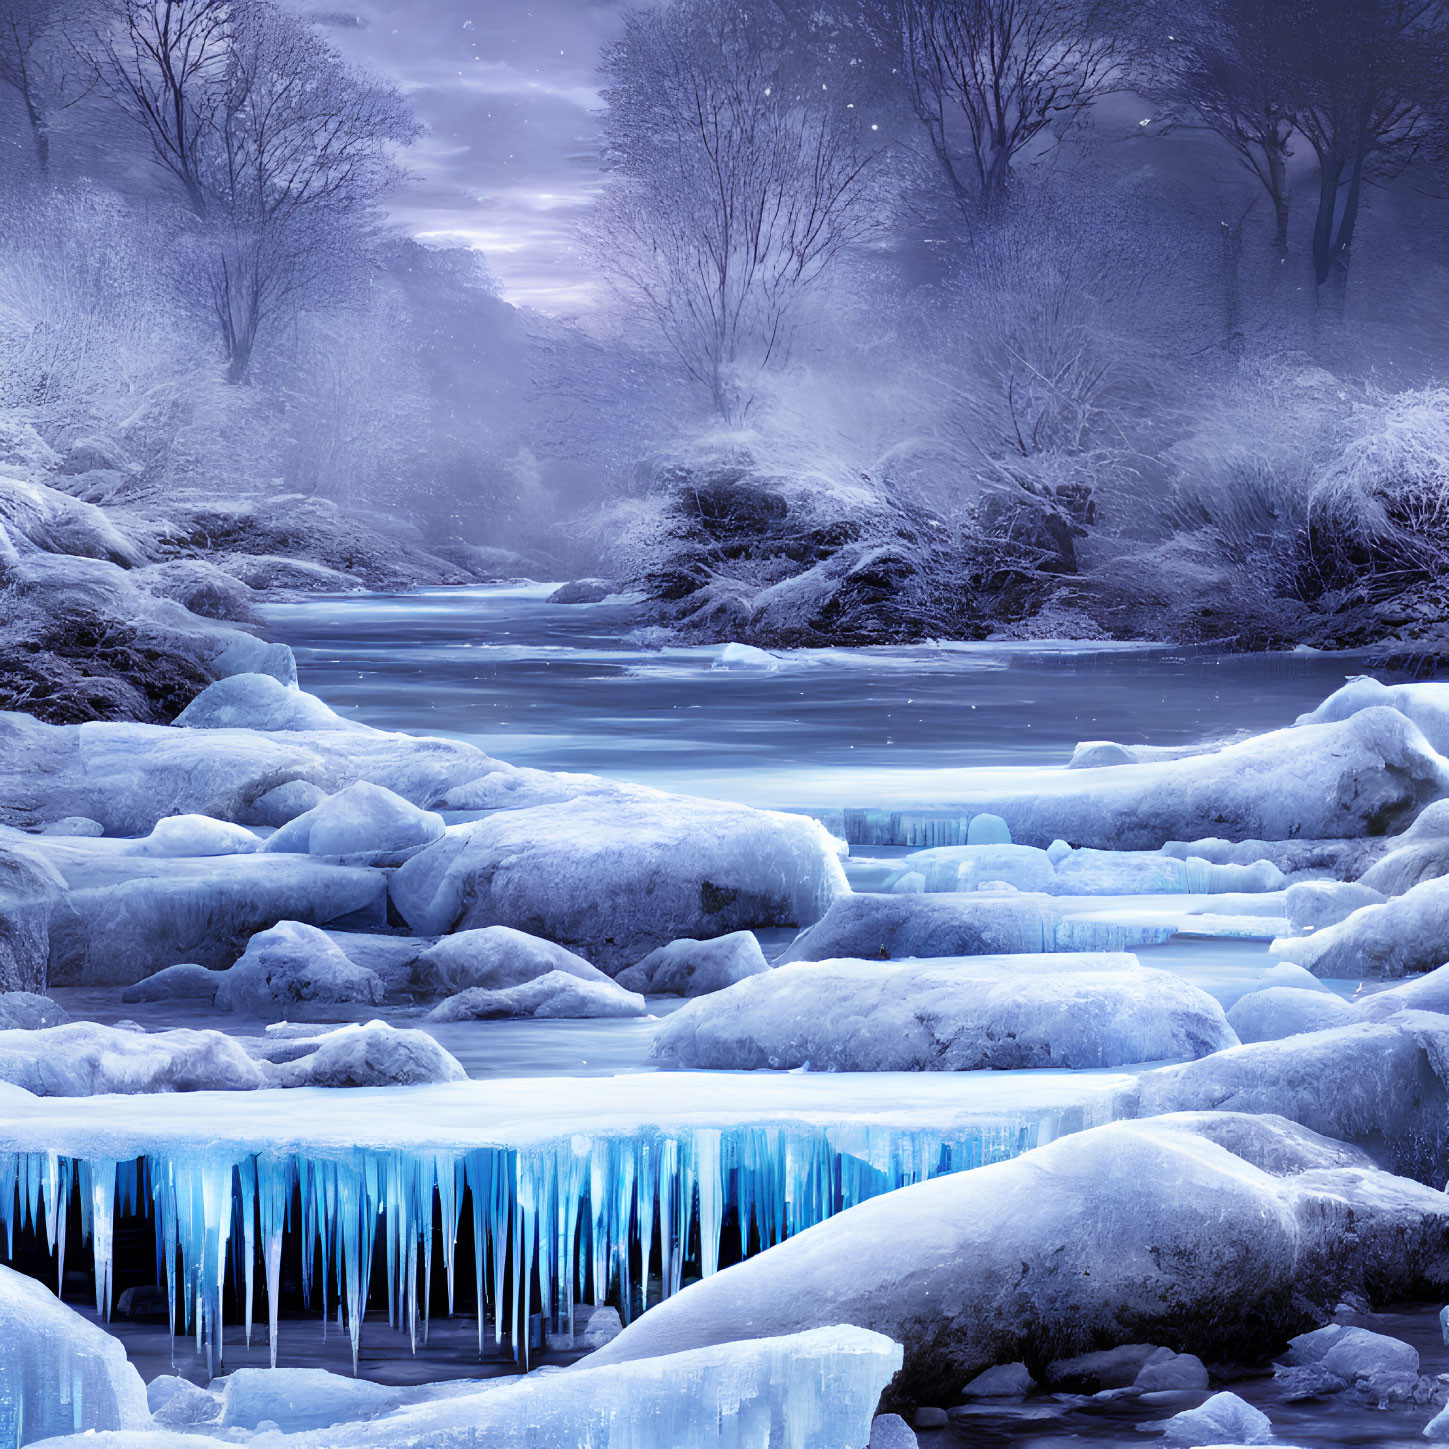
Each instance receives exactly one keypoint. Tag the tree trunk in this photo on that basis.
(1278, 190)
(1330, 174)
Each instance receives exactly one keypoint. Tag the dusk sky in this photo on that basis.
(506, 88)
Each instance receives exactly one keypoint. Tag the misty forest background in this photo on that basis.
(918, 319)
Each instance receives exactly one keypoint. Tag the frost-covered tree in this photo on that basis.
(1228, 68)
(992, 80)
(39, 64)
(738, 176)
(279, 148)
(1367, 88)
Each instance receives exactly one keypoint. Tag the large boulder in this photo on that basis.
(1399, 937)
(610, 877)
(1381, 1085)
(555, 995)
(1427, 704)
(1002, 1012)
(1369, 774)
(1135, 1232)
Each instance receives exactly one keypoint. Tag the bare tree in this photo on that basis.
(38, 63)
(989, 77)
(1230, 69)
(738, 178)
(280, 149)
(1366, 85)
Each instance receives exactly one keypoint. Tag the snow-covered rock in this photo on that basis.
(1004, 1012)
(26, 1011)
(556, 994)
(363, 824)
(890, 1431)
(76, 825)
(128, 776)
(292, 964)
(1223, 1420)
(1314, 903)
(374, 1055)
(60, 1374)
(695, 968)
(1119, 1234)
(82, 1059)
(127, 916)
(29, 889)
(1380, 1084)
(184, 982)
(745, 657)
(583, 591)
(196, 835)
(259, 702)
(492, 958)
(1404, 935)
(817, 1390)
(613, 877)
(870, 926)
(1279, 1011)
(1426, 704)
(297, 1399)
(1365, 775)
(1429, 992)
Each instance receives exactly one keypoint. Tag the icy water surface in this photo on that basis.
(560, 687)
(567, 688)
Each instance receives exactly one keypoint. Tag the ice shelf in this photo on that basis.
(566, 1187)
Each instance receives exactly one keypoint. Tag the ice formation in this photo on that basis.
(1426, 704)
(582, 1183)
(550, 996)
(1407, 934)
(292, 964)
(814, 1390)
(1110, 1234)
(196, 835)
(1013, 1012)
(363, 824)
(695, 968)
(1365, 775)
(259, 702)
(1279, 1011)
(491, 958)
(58, 1373)
(979, 923)
(611, 878)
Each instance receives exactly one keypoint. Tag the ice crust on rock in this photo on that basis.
(553, 995)
(491, 958)
(371, 1055)
(184, 982)
(1279, 1011)
(816, 1390)
(196, 835)
(82, 1059)
(363, 824)
(612, 877)
(1380, 1084)
(890, 1431)
(695, 968)
(27, 1011)
(1223, 1420)
(60, 1374)
(1084, 1011)
(1121, 1233)
(293, 964)
(129, 776)
(297, 1399)
(1407, 934)
(259, 702)
(871, 926)
(1426, 704)
(29, 889)
(1366, 775)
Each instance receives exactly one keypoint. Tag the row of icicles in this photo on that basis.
(559, 1214)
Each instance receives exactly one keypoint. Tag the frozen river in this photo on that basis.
(563, 687)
